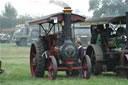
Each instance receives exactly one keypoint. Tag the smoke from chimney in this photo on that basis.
(59, 3)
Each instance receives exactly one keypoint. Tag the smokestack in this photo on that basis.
(67, 22)
(127, 23)
(67, 49)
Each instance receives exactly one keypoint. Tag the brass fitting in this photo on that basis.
(67, 10)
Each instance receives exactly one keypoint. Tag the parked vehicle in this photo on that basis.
(109, 45)
(82, 33)
(57, 50)
(4, 38)
(26, 34)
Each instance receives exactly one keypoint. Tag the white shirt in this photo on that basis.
(79, 47)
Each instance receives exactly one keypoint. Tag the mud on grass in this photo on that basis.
(17, 71)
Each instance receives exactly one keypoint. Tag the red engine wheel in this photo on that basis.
(37, 61)
(52, 68)
(33, 62)
(86, 64)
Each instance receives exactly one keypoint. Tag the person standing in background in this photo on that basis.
(1, 71)
(80, 55)
(81, 50)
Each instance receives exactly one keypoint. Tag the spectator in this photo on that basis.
(80, 55)
(81, 50)
(1, 71)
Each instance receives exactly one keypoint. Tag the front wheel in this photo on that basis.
(86, 67)
(96, 66)
(52, 68)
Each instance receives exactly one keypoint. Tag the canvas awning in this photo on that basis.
(59, 17)
(106, 20)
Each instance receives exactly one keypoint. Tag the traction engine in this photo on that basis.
(57, 50)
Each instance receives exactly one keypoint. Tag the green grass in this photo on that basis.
(15, 62)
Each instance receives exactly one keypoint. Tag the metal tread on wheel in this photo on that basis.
(95, 56)
(37, 61)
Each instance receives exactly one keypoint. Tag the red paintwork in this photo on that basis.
(85, 68)
(56, 50)
(53, 45)
(60, 17)
(111, 42)
(69, 62)
(69, 68)
(106, 47)
(50, 69)
(32, 66)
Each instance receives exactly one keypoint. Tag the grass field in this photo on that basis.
(15, 62)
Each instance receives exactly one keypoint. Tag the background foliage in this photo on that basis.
(9, 18)
(107, 8)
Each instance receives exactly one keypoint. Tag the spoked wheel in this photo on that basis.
(33, 61)
(96, 66)
(52, 68)
(37, 62)
(86, 64)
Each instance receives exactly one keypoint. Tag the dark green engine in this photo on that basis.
(109, 45)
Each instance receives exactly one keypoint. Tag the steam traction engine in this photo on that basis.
(56, 50)
(109, 45)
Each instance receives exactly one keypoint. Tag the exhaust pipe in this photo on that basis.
(67, 49)
(127, 23)
(67, 23)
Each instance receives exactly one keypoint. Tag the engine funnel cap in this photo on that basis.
(67, 10)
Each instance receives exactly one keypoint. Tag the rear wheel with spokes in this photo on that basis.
(33, 61)
(37, 61)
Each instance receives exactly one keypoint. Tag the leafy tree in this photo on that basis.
(126, 1)
(105, 8)
(9, 11)
(23, 18)
(8, 18)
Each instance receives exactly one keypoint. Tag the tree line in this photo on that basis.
(107, 8)
(101, 8)
(9, 17)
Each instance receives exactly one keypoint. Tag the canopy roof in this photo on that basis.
(59, 17)
(106, 20)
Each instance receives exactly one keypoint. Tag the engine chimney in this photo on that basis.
(127, 23)
(67, 23)
(67, 49)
